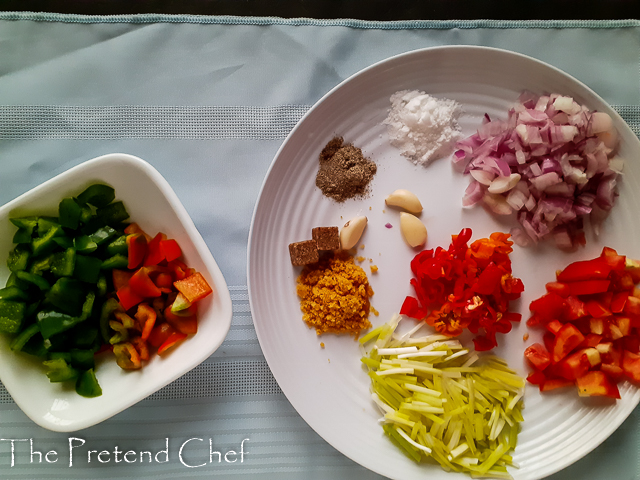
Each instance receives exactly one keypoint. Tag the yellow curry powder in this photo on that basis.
(334, 295)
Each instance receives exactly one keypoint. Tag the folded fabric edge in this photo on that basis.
(346, 22)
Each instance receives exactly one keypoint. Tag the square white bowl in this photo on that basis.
(152, 204)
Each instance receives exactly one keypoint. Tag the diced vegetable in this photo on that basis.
(62, 305)
(194, 287)
(463, 287)
(444, 402)
(549, 162)
(592, 318)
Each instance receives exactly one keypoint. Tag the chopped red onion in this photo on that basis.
(552, 161)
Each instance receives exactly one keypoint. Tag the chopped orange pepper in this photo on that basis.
(194, 287)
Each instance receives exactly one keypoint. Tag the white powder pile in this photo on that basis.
(422, 127)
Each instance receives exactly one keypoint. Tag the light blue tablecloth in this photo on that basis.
(208, 101)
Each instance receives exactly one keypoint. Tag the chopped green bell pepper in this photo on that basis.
(108, 307)
(11, 316)
(98, 195)
(22, 235)
(84, 244)
(117, 261)
(64, 263)
(118, 246)
(69, 213)
(87, 385)
(58, 370)
(36, 280)
(12, 293)
(52, 322)
(41, 264)
(87, 268)
(18, 259)
(64, 241)
(67, 295)
(47, 231)
(113, 213)
(102, 234)
(25, 335)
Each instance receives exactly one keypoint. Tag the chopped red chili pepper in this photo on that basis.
(466, 286)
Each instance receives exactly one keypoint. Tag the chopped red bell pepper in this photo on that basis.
(618, 302)
(160, 334)
(538, 356)
(574, 366)
(558, 288)
(173, 339)
(154, 251)
(549, 306)
(184, 324)
(164, 280)
(596, 383)
(596, 309)
(554, 326)
(566, 339)
(596, 269)
(136, 249)
(170, 249)
(120, 278)
(127, 298)
(554, 383)
(592, 317)
(631, 365)
(142, 285)
(632, 306)
(135, 228)
(194, 287)
(536, 377)
(588, 287)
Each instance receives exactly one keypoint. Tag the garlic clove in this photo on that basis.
(352, 231)
(504, 184)
(404, 199)
(413, 230)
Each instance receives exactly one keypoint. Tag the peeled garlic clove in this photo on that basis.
(504, 184)
(351, 232)
(413, 230)
(404, 199)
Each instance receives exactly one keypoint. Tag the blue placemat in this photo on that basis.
(208, 101)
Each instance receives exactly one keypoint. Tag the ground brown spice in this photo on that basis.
(334, 295)
(344, 172)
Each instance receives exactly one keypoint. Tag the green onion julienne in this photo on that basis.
(444, 402)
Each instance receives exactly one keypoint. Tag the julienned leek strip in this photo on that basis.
(442, 401)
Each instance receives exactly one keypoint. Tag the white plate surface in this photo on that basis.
(152, 204)
(329, 387)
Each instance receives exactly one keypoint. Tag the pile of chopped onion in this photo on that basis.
(552, 162)
(441, 401)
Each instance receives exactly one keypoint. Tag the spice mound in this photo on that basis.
(344, 172)
(422, 127)
(334, 295)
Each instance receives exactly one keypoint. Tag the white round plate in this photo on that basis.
(328, 386)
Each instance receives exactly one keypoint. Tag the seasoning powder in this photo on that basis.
(334, 295)
(422, 127)
(344, 172)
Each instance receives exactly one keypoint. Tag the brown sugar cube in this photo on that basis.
(303, 253)
(327, 238)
